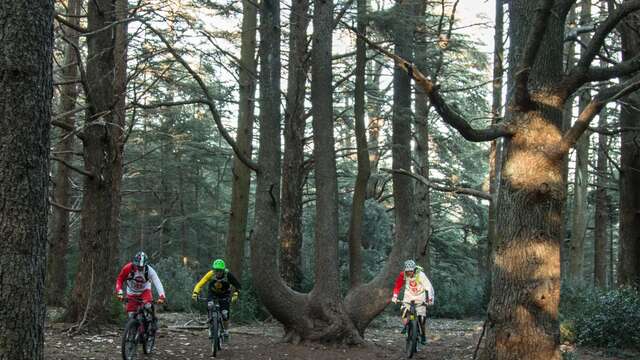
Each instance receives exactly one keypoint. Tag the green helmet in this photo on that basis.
(218, 264)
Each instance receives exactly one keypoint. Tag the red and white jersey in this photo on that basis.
(415, 288)
(138, 281)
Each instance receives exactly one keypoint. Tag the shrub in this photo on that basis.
(178, 282)
(603, 318)
(458, 297)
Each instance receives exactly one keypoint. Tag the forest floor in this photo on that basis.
(446, 339)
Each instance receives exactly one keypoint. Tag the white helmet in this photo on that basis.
(410, 265)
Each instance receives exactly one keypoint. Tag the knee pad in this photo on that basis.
(225, 315)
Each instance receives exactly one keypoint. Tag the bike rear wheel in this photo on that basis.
(130, 340)
(412, 339)
(215, 337)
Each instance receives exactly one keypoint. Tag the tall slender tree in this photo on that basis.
(364, 171)
(601, 223)
(581, 180)
(63, 151)
(293, 170)
(102, 139)
(629, 253)
(26, 88)
(237, 232)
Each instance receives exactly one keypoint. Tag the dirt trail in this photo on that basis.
(447, 340)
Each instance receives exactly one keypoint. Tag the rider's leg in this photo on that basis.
(147, 298)
(422, 321)
(224, 308)
(405, 320)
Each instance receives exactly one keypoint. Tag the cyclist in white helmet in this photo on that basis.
(417, 288)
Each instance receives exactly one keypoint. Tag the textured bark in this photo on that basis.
(59, 233)
(293, 163)
(362, 178)
(629, 252)
(102, 150)
(422, 192)
(495, 152)
(601, 212)
(241, 173)
(26, 88)
(523, 311)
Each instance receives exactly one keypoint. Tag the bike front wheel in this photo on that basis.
(215, 337)
(411, 346)
(130, 340)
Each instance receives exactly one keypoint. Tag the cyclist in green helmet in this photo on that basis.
(223, 286)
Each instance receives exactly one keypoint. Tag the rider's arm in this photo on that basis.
(398, 284)
(124, 272)
(153, 276)
(429, 288)
(200, 284)
(233, 281)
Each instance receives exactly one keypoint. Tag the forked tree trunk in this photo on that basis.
(362, 178)
(102, 140)
(629, 252)
(26, 88)
(241, 173)
(293, 166)
(59, 233)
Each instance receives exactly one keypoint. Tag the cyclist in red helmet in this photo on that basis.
(138, 276)
(418, 288)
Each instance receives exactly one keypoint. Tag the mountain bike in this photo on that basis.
(413, 330)
(139, 329)
(214, 321)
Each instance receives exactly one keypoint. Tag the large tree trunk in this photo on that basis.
(102, 140)
(629, 252)
(241, 173)
(293, 166)
(360, 190)
(601, 212)
(59, 233)
(26, 88)
(523, 311)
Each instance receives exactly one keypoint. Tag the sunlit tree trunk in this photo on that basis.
(241, 173)
(59, 233)
(525, 286)
(26, 88)
(293, 171)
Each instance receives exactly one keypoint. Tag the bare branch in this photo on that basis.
(60, 206)
(210, 101)
(457, 190)
(593, 108)
(622, 69)
(603, 30)
(521, 94)
(581, 73)
(72, 167)
(448, 115)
